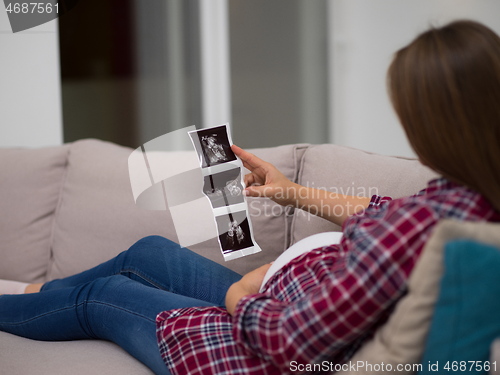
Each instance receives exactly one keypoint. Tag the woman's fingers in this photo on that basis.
(249, 179)
(265, 180)
(256, 191)
(250, 161)
(255, 165)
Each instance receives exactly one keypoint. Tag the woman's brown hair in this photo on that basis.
(445, 89)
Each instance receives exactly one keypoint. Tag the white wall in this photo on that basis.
(364, 35)
(215, 69)
(30, 97)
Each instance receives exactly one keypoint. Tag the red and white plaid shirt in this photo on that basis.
(325, 303)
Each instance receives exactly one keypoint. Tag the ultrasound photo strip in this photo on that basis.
(223, 185)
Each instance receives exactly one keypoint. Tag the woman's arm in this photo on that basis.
(249, 284)
(265, 180)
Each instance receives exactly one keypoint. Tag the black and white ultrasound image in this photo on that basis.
(215, 146)
(224, 188)
(234, 231)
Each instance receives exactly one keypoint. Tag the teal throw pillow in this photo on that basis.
(466, 318)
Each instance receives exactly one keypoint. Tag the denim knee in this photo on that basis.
(147, 249)
(156, 241)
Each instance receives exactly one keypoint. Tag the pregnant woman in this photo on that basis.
(180, 313)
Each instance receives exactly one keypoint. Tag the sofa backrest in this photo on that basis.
(71, 207)
(30, 186)
(350, 171)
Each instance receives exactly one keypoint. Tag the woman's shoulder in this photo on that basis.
(448, 199)
(442, 199)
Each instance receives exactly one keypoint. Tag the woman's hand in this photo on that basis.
(249, 284)
(265, 180)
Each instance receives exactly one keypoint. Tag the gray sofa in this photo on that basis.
(71, 207)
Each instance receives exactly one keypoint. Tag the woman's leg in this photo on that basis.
(158, 262)
(114, 308)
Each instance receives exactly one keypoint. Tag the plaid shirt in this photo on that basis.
(325, 303)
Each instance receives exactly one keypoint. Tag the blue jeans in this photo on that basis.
(118, 300)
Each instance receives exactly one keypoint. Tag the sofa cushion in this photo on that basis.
(463, 326)
(272, 221)
(97, 217)
(350, 171)
(83, 357)
(31, 182)
(401, 340)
